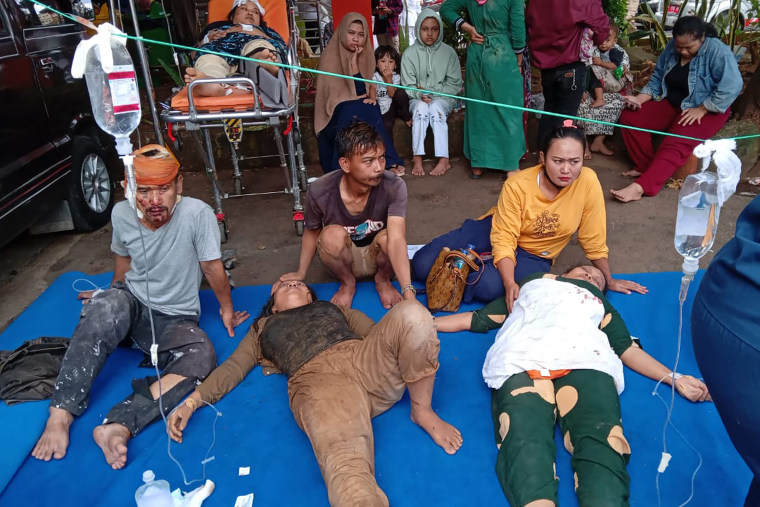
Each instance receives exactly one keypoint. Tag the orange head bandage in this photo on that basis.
(154, 165)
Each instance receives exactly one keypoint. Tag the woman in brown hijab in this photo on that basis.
(342, 101)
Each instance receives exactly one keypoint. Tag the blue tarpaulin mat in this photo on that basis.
(257, 430)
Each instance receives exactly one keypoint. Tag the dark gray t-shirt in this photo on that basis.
(173, 253)
(324, 206)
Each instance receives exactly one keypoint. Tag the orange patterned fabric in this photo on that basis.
(154, 165)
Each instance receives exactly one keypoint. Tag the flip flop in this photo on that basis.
(399, 171)
(474, 175)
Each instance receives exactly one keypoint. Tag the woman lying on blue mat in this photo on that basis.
(559, 352)
(539, 210)
(342, 370)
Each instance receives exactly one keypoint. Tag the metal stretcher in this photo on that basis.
(197, 115)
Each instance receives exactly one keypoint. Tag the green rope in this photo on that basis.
(409, 88)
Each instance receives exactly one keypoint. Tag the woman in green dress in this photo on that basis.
(493, 136)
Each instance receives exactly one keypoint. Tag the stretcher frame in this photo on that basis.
(199, 120)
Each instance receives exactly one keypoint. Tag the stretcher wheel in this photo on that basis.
(299, 227)
(223, 231)
(303, 180)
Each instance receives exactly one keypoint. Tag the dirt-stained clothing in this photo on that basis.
(334, 394)
(110, 317)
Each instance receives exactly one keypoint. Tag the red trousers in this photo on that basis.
(657, 167)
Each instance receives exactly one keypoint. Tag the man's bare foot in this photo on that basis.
(441, 167)
(598, 102)
(587, 154)
(389, 296)
(442, 433)
(632, 192)
(600, 147)
(344, 296)
(55, 438)
(112, 438)
(417, 169)
(632, 173)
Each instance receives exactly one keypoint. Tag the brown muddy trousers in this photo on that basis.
(335, 394)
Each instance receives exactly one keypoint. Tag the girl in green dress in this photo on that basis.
(493, 136)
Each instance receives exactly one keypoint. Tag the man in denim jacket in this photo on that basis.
(694, 84)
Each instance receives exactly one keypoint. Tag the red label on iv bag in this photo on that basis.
(123, 85)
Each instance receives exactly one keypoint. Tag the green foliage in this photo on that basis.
(617, 11)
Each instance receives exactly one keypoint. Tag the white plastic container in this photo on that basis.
(114, 95)
(698, 214)
(154, 493)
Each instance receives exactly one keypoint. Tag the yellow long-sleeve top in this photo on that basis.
(526, 218)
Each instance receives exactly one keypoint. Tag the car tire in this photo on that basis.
(91, 191)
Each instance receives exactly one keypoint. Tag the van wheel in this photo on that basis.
(90, 187)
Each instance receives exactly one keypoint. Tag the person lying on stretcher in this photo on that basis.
(245, 33)
(559, 355)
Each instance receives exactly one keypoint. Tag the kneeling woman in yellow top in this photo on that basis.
(541, 208)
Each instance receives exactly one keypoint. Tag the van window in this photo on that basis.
(35, 15)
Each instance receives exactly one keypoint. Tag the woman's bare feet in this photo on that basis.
(417, 169)
(632, 173)
(112, 439)
(598, 146)
(344, 296)
(598, 102)
(476, 173)
(442, 433)
(587, 154)
(632, 192)
(441, 167)
(389, 296)
(54, 440)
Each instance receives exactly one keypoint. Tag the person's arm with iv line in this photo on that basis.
(120, 267)
(220, 382)
(687, 386)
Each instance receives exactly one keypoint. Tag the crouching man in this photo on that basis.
(356, 221)
(181, 244)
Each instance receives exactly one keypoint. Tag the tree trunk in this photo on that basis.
(749, 99)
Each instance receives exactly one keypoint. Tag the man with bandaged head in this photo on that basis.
(162, 251)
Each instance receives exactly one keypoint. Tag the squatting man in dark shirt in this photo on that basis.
(356, 221)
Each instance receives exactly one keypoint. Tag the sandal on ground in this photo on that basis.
(398, 170)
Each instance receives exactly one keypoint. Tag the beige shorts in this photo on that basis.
(364, 263)
(217, 67)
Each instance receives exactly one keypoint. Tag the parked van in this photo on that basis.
(53, 160)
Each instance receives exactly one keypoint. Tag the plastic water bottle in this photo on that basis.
(154, 493)
(114, 96)
(459, 263)
(698, 213)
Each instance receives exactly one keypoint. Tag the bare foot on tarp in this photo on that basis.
(442, 433)
(631, 173)
(344, 296)
(441, 168)
(389, 296)
(54, 440)
(112, 439)
(632, 192)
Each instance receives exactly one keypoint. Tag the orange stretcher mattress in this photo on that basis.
(237, 102)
